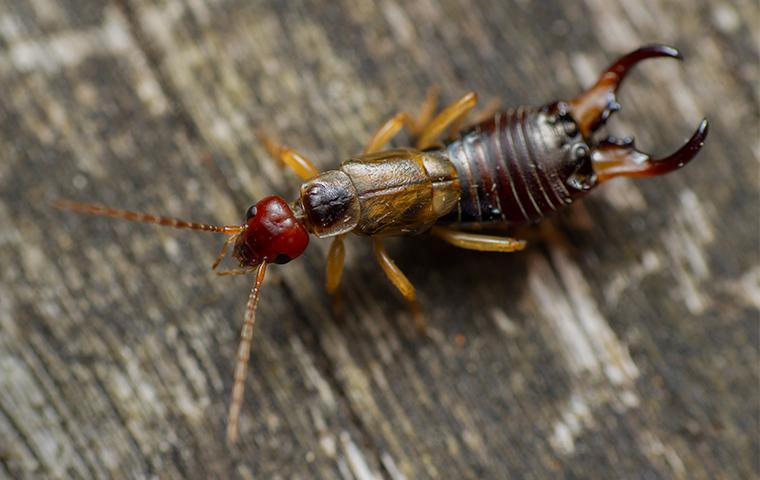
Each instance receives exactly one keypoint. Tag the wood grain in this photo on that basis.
(623, 343)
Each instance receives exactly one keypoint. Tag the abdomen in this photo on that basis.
(512, 168)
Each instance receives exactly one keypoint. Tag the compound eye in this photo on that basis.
(251, 212)
(282, 259)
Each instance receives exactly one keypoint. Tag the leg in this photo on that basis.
(334, 272)
(335, 264)
(450, 115)
(236, 271)
(223, 251)
(297, 162)
(485, 113)
(476, 241)
(427, 110)
(387, 131)
(399, 280)
(392, 127)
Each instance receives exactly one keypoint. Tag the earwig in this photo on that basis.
(515, 167)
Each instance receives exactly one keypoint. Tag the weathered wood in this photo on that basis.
(626, 346)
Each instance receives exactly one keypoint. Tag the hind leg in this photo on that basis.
(484, 113)
(476, 241)
(452, 115)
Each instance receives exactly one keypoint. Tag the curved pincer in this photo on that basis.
(614, 158)
(593, 107)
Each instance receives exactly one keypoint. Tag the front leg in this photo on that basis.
(223, 250)
(301, 165)
(236, 271)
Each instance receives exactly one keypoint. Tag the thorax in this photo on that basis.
(395, 192)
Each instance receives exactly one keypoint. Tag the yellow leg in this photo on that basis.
(484, 113)
(335, 264)
(449, 116)
(388, 130)
(476, 241)
(223, 251)
(399, 280)
(427, 110)
(297, 162)
(236, 271)
(392, 127)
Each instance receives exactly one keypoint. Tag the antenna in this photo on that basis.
(101, 211)
(243, 354)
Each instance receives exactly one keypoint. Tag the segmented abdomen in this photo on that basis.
(511, 169)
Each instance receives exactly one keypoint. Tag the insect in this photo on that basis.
(515, 167)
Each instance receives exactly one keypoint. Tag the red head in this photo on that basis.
(273, 234)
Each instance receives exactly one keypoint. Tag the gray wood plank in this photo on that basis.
(625, 345)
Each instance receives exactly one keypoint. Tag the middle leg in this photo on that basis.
(392, 127)
(335, 258)
(399, 280)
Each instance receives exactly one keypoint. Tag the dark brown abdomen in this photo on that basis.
(514, 168)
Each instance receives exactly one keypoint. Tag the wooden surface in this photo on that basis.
(624, 347)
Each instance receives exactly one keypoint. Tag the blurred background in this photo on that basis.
(623, 343)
